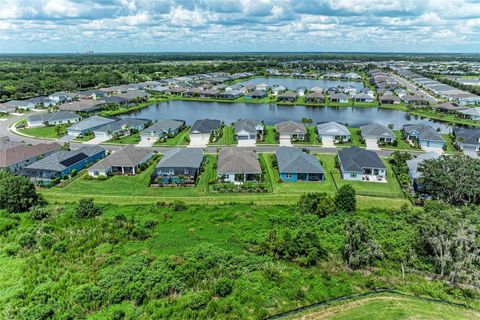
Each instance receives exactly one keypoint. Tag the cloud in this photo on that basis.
(239, 25)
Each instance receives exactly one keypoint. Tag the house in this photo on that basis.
(82, 106)
(60, 97)
(4, 108)
(333, 131)
(339, 97)
(377, 132)
(120, 128)
(248, 129)
(209, 93)
(413, 172)
(262, 87)
(203, 130)
(115, 100)
(291, 130)
(257, 94)
(238, 165)
(363, 97)
(52, 119)
(62, 163)
(125, 161)
(41, 102)
(389, 98)
(88, 125)
(133, 96)
(162, 128)
(177, 91)
(352, 76)
(91, 94)
(178, 166)
(232, 94)
(296, 165)
(448, 107)
(15, 156)
(276, 90)
(314, 97)
(287, 96)
(350, 90)
(361, 165)
(20, 104)
(424, 135)
(467, 139)
(472, 113)
(415, 100)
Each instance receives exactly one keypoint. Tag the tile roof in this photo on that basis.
(376, 130)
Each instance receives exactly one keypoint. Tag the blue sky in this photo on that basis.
(42, 26)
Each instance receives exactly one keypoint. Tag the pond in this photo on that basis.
(190, 111)
(293, 83)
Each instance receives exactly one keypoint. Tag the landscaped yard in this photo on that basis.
(227, 137)
(450, 144)
(49, 132)
(86, 137)
(270, 136)
(181, 139)
(131, 139)
(312, 137)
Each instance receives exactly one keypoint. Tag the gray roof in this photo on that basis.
(247, 125)
(332, 128)
(288, 94)
(115, 99)
(82, 105)
(389, 96)
(238, 160)
(354, 159)
(120, 124)
(182, 158)
(91, 123)
(54, 161)
(53, 116)
(414, 163)
(376, 130)
(12, 152)
(206, 126)
(126, 157)
(293, 160)
(424, 132)
(468, 135)
(471, 111)
(18, 103)
(290, 127)
(134, 94)
(162, 126)
(339, 96)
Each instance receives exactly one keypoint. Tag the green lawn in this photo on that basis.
(356, 139)
(445, 117)
(402, 144)
(450, 144)
(312, 137)
(149, 102)
(49, 132)
(84, 138)
(227, 137)
(270, 136)
(131, 139)
(390, 307)
(179, 140)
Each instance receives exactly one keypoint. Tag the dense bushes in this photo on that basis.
(86, 209)
(17, 193)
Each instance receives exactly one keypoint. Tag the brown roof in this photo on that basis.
(12, 152)
(290, 127)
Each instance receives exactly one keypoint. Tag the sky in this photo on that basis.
(73, 26)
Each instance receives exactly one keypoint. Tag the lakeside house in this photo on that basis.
(291, 130)
(237, 165)
(287, 96)
(257, 94)
(88, 125)
(125, 161)
(424, 135)
(333, 131)
(361, 165)
(467, 139)
(339, 97)
(296, 165)
(85, 105)
(62, 163)
(249, 130)
(414, 174)
(415, 100)
(203, 130)
(448, 107)
(362, 97)
(15, 156)
(162, 128)
(119, 128)
(471, 113)
(388, 98)
(178, 166)
(377, 132)
(52, 119)
(314, 97)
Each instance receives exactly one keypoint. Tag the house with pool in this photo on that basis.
(361, 165)
(179, 166)
(296, 165)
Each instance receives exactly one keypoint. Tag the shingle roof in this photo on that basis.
(237, 160)
(90, 123)
(471, 111)
(332, 128)
(467, 135)
(120, 124)
(82, 105)
(162, 126)
(247, 125)
(54, 161)
(288, 94)
(206, 126)
(355, 159)
(339, 96)
(293, 160)
(290, 126)
(115, 99)
(126, 157)
(414, 163)
(182, 158)
(424, 132)
(53, 116)
(12, 152)
(134, 94)
(376, 130)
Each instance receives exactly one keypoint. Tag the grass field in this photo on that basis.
(131, 139)
(49, 132)
(389, 307)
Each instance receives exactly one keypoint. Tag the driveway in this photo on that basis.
(246, 143)
(96, 140)
(372, 144)
(285, 142)
(146, 143)
(198, 141)
(471, 154)
(434, 149)
(327, 142)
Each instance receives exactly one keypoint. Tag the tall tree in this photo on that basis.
(359, 249)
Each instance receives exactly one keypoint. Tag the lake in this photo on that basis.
(293, 83)
(190, 111)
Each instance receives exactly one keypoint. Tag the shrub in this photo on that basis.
(223, 287)
(17, 193)
(38, 213)
(178, 205)
(86, 209)
(321, 204)
(345, 199)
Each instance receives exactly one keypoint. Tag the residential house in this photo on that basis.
(296, 165)
(52, 119)
(115, 100)
(162, 128)
(314, 97)
(415, 100)
(41, 102)
(20, 104)
(389, 98)
(467, 139)
(361, 165)
(60, 97)
(177, 91)
(352, 76)
(350, 90)
(82, 106)
(203, 130)
(178, 166)
(119, 128)
(339, 97)
(424, 135)
(287, 96)
(125, 161)
(377, 132)
(91, 94)
(134, 96)
(363, 97)
(414, 173)
(471, 113)
(276, 90)
(448, 107)
(15, 156)
(257, 94)
(5, 108)
(263, 87)
(208, 93)
(88, 125)
(333, 131)
(238, 165)
(232, 94)
(248, 129)
(291, 130)
(62, 163)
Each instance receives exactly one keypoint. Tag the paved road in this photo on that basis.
(4, 131)
(414, 88)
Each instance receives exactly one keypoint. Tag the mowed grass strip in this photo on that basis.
(178, 140)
